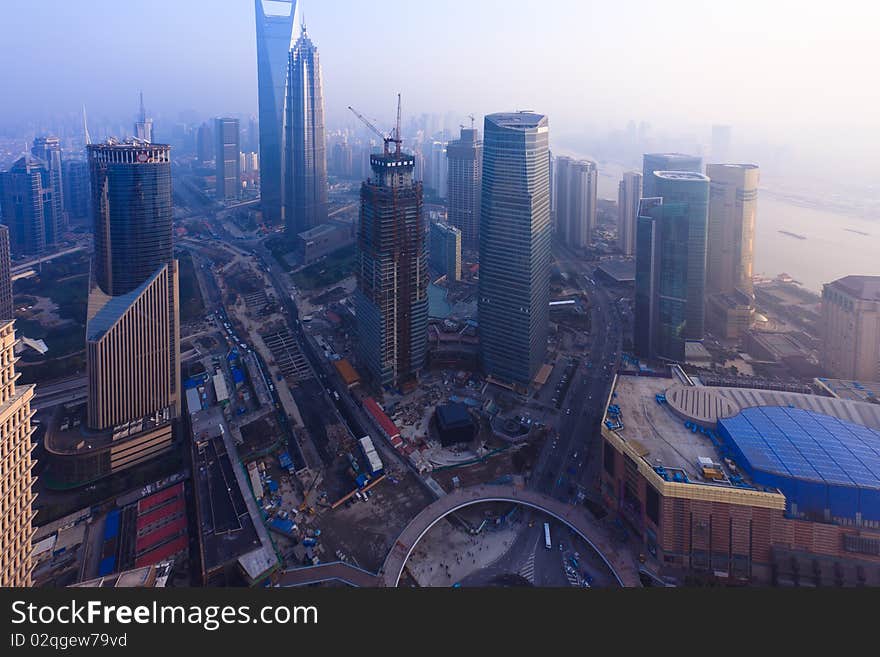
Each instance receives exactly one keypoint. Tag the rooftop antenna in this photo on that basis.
(143, 111)
(471, 117)
(397, 139)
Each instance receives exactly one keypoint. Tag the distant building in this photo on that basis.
(143, 127)
(7, 310)
(465, 163)
(445, 250)
(76, 190)
(439, 169)
(391, 298)
(576, 185)
(733, 200)
(48, 149)
(720, 143)
(515, 233)
(274, 23)
(205, 146)
(851, 328)
(629, 193)
(16, 494)
(305, 149)
(652, 162)
(671, 265)
(317, 242)
(27, 202)
(227, 146)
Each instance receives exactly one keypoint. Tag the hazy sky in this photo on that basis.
(769, 67)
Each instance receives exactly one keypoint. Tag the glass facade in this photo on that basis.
(227, 135)
(274, 40)
(131, 198)
(305, 152)
(652, 162)
(515, 233)
(671, 265)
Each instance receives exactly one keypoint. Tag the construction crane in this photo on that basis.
(393, 138)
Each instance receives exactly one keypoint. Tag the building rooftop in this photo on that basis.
(861, 287)
(805, 445)
(681, 175)
(621, 271)
(865, 391)
(522, 120)
(673, 425)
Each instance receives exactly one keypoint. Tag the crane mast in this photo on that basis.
(393, 138)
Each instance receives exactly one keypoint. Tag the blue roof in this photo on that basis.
(804, 445)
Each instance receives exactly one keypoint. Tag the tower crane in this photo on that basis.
(392, 138)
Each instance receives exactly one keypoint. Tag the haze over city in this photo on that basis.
(787, 75)
(453, 294)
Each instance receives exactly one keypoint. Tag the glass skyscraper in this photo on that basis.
(515, 235)
(27, 203)
(652, 162)
(227, 165)
(305, 149)
(671, 264)
(464, 158)
(48, 149)
(274, 41)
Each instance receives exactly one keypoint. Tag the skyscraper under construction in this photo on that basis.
(391, 298)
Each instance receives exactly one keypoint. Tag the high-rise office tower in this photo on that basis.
(76, 190)
(515, 232)
(305, 148)
(445, 250)
(143, 127)
(227, 146)
(629, 192)
(652, 162)
(275, 21)
(48, 149)
(851, 328)
(132, 332)
(671, 264)
(7, 310)
(576, 200)
(439, 169)
(16, 496)
(733, 200)
(720, 143)
(391, 298)
(205, 145)
(28, 205)
(464, 158)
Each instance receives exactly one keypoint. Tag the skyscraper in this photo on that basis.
(576, 198)
(132, 350)
(227, 163)
(445, 250)
(205, 145)
(391, 298)
(652, 162)
(439, 169)
(28, 205)
(16, 496)
(629, 192)
(143, 127)
(515, 233)
(851, 328)
(465, 175)
(274, 41)
(7, 310)
(48, 149)
(305, 149)
(76, 189)
(733, 199)
(671, 264)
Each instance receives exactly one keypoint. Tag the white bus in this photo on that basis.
(547, 543)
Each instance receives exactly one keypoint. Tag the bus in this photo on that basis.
(547, 543)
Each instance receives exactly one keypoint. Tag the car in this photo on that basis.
(560, 547)
(568, 411)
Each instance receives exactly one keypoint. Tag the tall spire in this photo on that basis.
(143, 111)
(86, 136)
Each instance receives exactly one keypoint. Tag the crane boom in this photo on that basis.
(393, 138)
